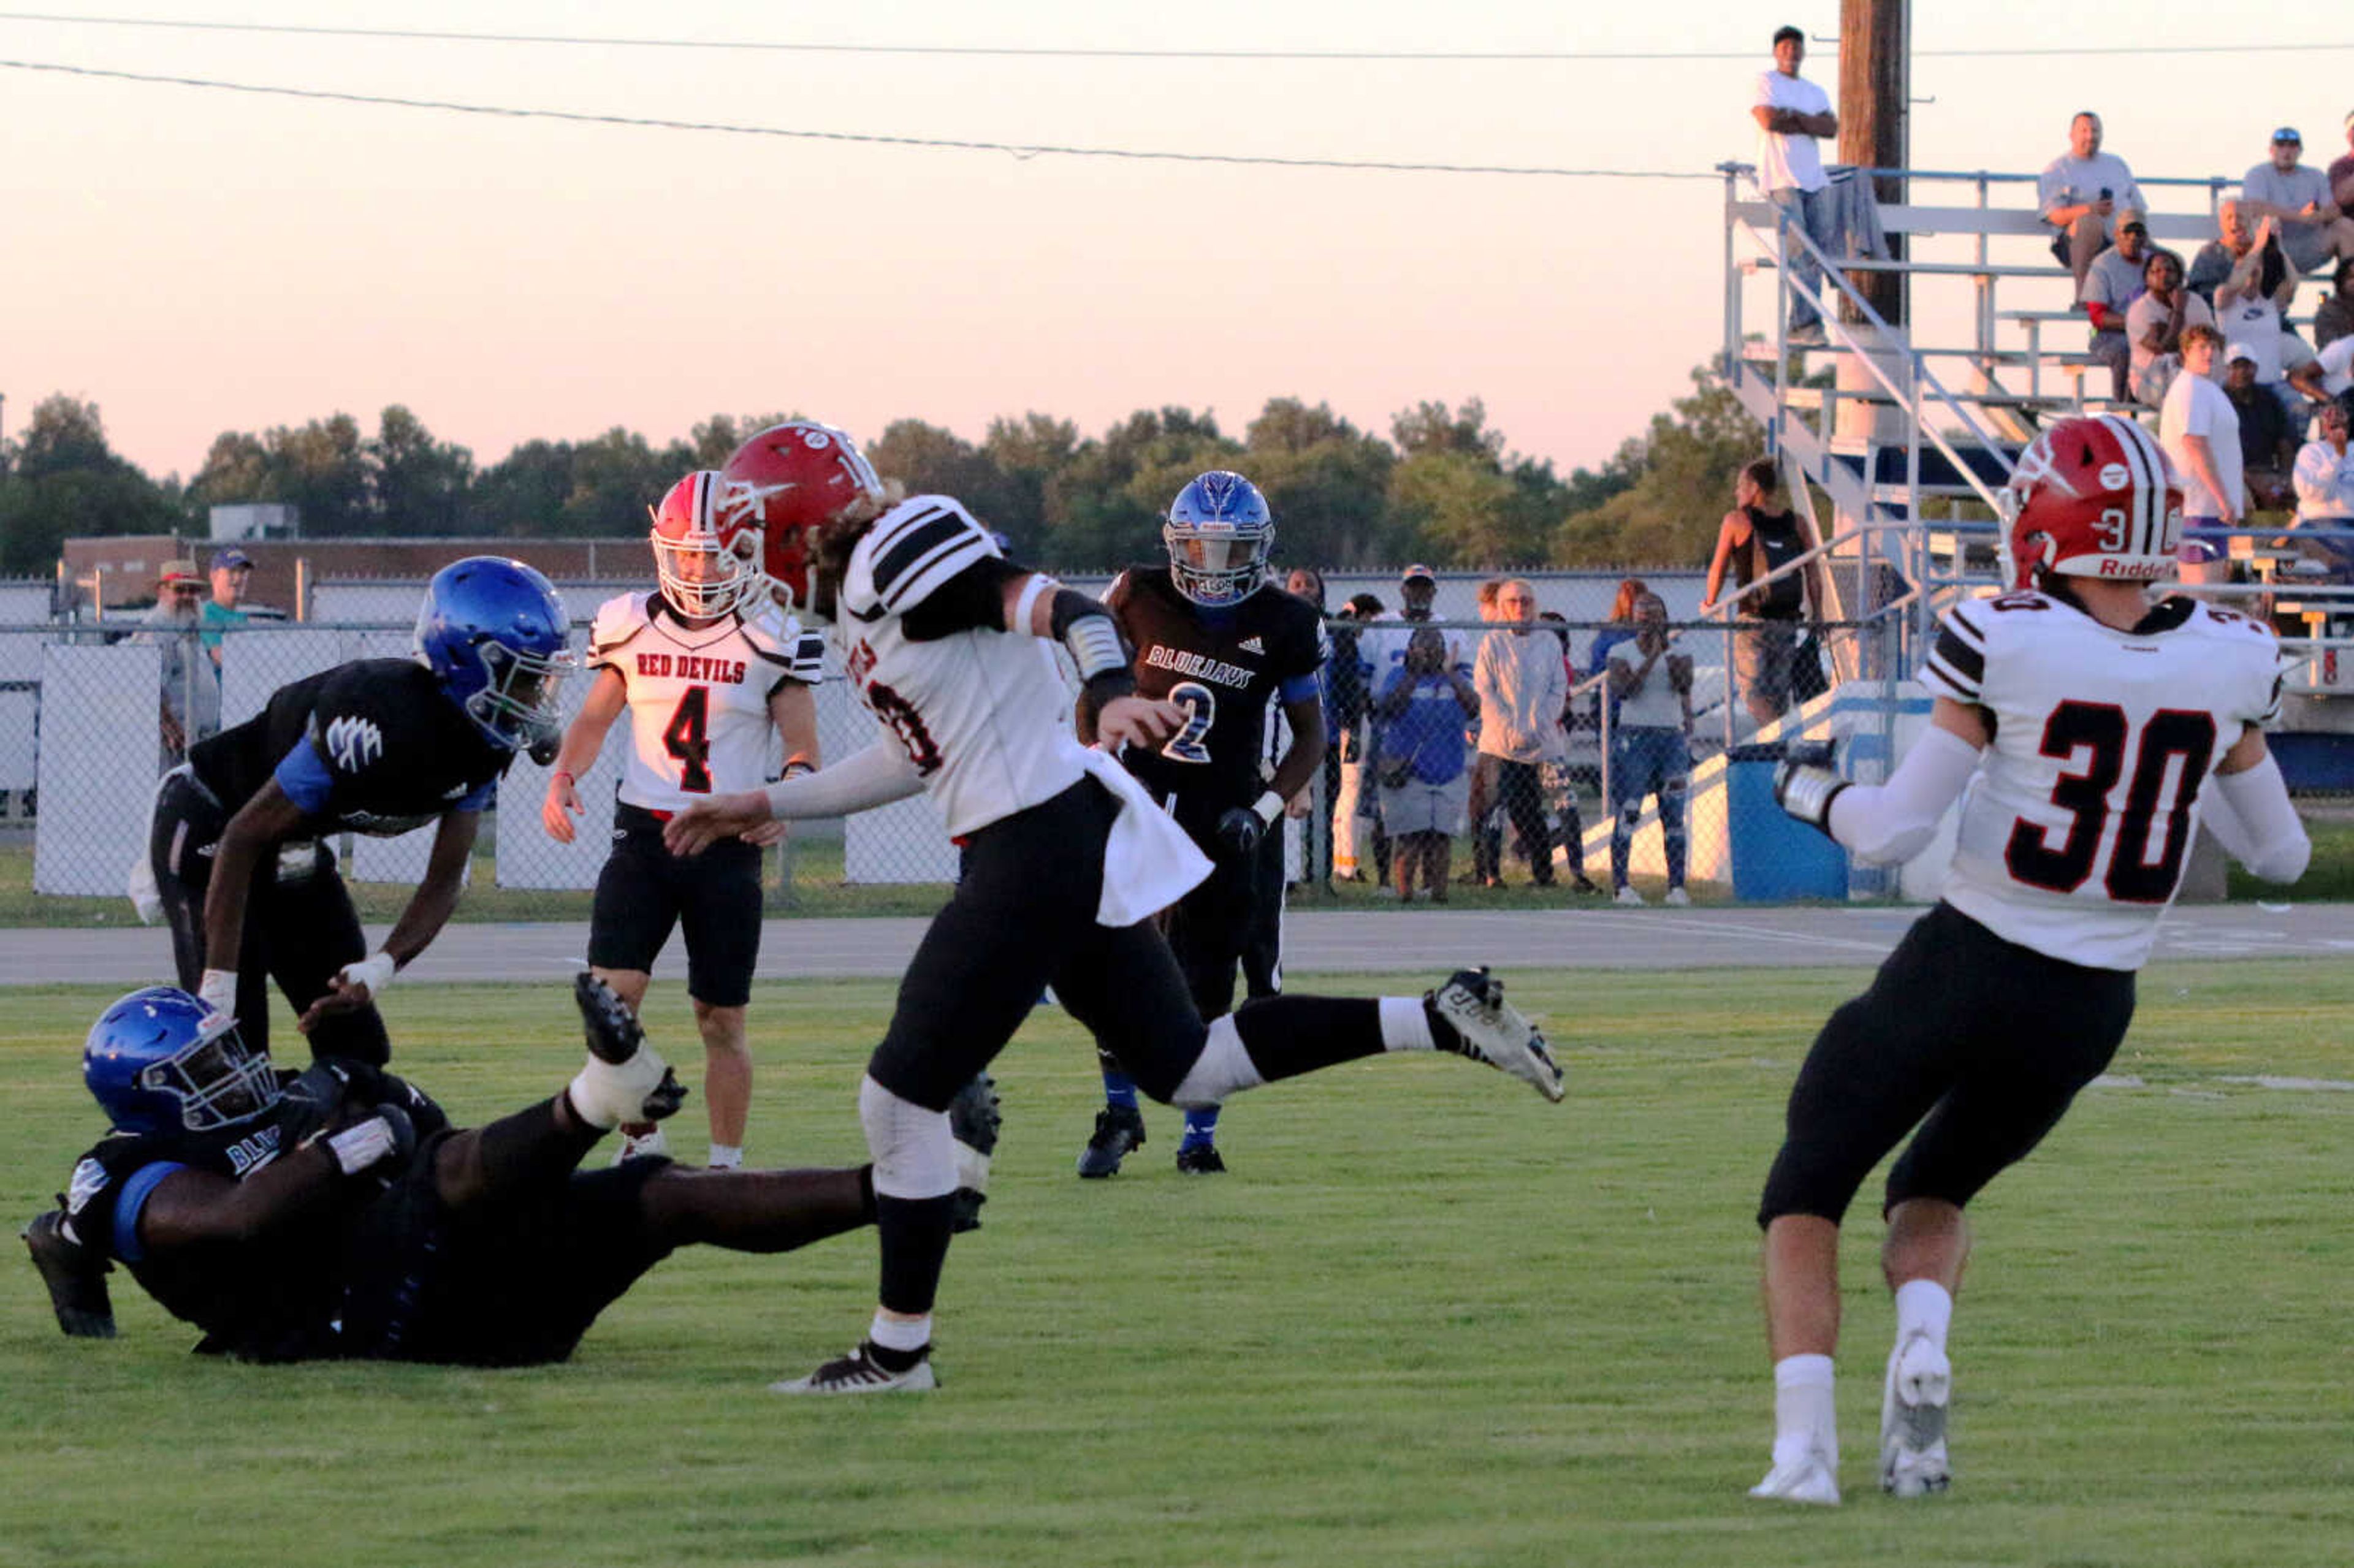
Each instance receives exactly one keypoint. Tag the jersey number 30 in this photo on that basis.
(2101, 732)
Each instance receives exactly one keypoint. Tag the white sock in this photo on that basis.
(1222, 1071)
(727, 1156)
(901, 1333)
(1805, 1414)
(1405, 1026)
(1923, 1306)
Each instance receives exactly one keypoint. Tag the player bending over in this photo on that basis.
(707, 669)
(2093, 729)
(947, 643)
(339, 1214)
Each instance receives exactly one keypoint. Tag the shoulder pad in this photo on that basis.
(1956, 667)
(793, 652)
(767, 628)
(911, 549)
(619, 619)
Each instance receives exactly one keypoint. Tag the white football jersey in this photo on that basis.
(2074, 829)
(979, 711)
(698, 699)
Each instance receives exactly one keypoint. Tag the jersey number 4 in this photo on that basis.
(2176, 746)
(688, 738)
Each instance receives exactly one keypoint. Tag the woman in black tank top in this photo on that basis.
(1755, 539)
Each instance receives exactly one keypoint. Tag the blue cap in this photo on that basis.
(231, 558)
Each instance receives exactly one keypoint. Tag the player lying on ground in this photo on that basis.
(1067, 859)
(339, 1214)
(2093, 730)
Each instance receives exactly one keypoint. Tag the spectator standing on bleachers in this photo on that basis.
(2080, 192)
(1425, 783)
(2267, 445)
(2335, 317)
(190, 706)
(1523, 685)
(2155, 325)
(1792, 113)
(1651, 747)
(2111, 287)
(2325, 491)
(231, 569)
(2297, 197)
(1755, 539)
(2200, 432)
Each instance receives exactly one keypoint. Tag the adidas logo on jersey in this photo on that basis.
(1252, 645)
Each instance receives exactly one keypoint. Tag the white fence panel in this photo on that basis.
(98, 768)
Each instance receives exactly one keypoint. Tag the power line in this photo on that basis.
(1451, 56)
(1019, 150)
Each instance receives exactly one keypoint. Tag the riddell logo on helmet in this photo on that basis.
(2138, 570)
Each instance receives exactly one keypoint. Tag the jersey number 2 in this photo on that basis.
(2101, 731)
(688, 738)
(1200, 705)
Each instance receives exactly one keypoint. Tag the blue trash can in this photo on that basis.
(1776, 857)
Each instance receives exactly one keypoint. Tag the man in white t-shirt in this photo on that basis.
(2296, 196)
(1791, 112)
(2324, 490)
(2078, 194)
(2200, 430)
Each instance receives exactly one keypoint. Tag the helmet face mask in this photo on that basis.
(707, 555)
(494, 634)
(2092, 497)
(160, 1061)
(1219, 533)
(787, 483)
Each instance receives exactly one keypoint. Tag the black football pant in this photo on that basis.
(300, 926)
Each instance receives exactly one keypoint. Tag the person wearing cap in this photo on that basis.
(2297, 197)
(2079, 194)
(2268, 444)
(232, 568)
(190, 706)
(1792, 113)
(2111, 287)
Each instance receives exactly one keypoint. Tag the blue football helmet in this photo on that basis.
(492, 631)
(160, 1061)
(1218, 532)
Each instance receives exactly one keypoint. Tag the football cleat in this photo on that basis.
(652, 1140)
(1487, 1028)
(1813, 1477)
(974, 1117)
(76, 1278)
(612, 1031)
(858, 1373)
(1119, 1129)
(1202, 1159)
(624, 1080)
(1913, 1407)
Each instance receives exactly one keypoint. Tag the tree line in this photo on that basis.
(1441, 487)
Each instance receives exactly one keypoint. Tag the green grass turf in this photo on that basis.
(1428, 1319)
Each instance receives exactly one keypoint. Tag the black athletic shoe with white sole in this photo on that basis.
(1480, 1024)
(860, 1372)
(1119, 1129)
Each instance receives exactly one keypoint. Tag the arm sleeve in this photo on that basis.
(875, 777)
(2252, 817)
(302, 775)
(135, 1191)
(972, 600)
(1890, 824)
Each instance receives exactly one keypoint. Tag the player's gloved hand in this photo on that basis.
(1806, 790)
(1240, 830)
(388, 1137)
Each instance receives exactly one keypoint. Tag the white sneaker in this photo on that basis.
(1677, 898)
(634, 1144)
(1913, 1407)
(1811, 1478)
(855, 1373)
(1489, 1029)
(1629, 897)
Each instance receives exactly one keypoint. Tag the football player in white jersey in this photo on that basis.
(2093, 729)
(708, 670)
(952, 648)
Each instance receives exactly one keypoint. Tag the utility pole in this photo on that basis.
(1874, 105)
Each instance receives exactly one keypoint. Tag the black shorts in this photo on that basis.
(300, 926)
(508, 1284)
(1980, 1041)
(1023, 917)
(645, 891)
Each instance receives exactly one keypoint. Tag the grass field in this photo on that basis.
(1428, 1319)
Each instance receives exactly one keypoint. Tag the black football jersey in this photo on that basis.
(273, 1300)
(1223, 667)
(372, 746)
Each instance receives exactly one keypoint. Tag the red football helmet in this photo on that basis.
(2093, 498)
(708, 561)
(789, 482)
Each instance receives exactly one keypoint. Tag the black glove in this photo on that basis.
(1806, 790)
(76, 1276)
(1240, 830)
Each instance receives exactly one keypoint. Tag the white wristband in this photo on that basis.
(375, 971)
(1270, 806)
(217, 990)
(357, 1147)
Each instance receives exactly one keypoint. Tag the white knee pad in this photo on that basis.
(914, 1153)
(1222, 1069)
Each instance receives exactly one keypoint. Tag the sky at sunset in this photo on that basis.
(195, 260)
